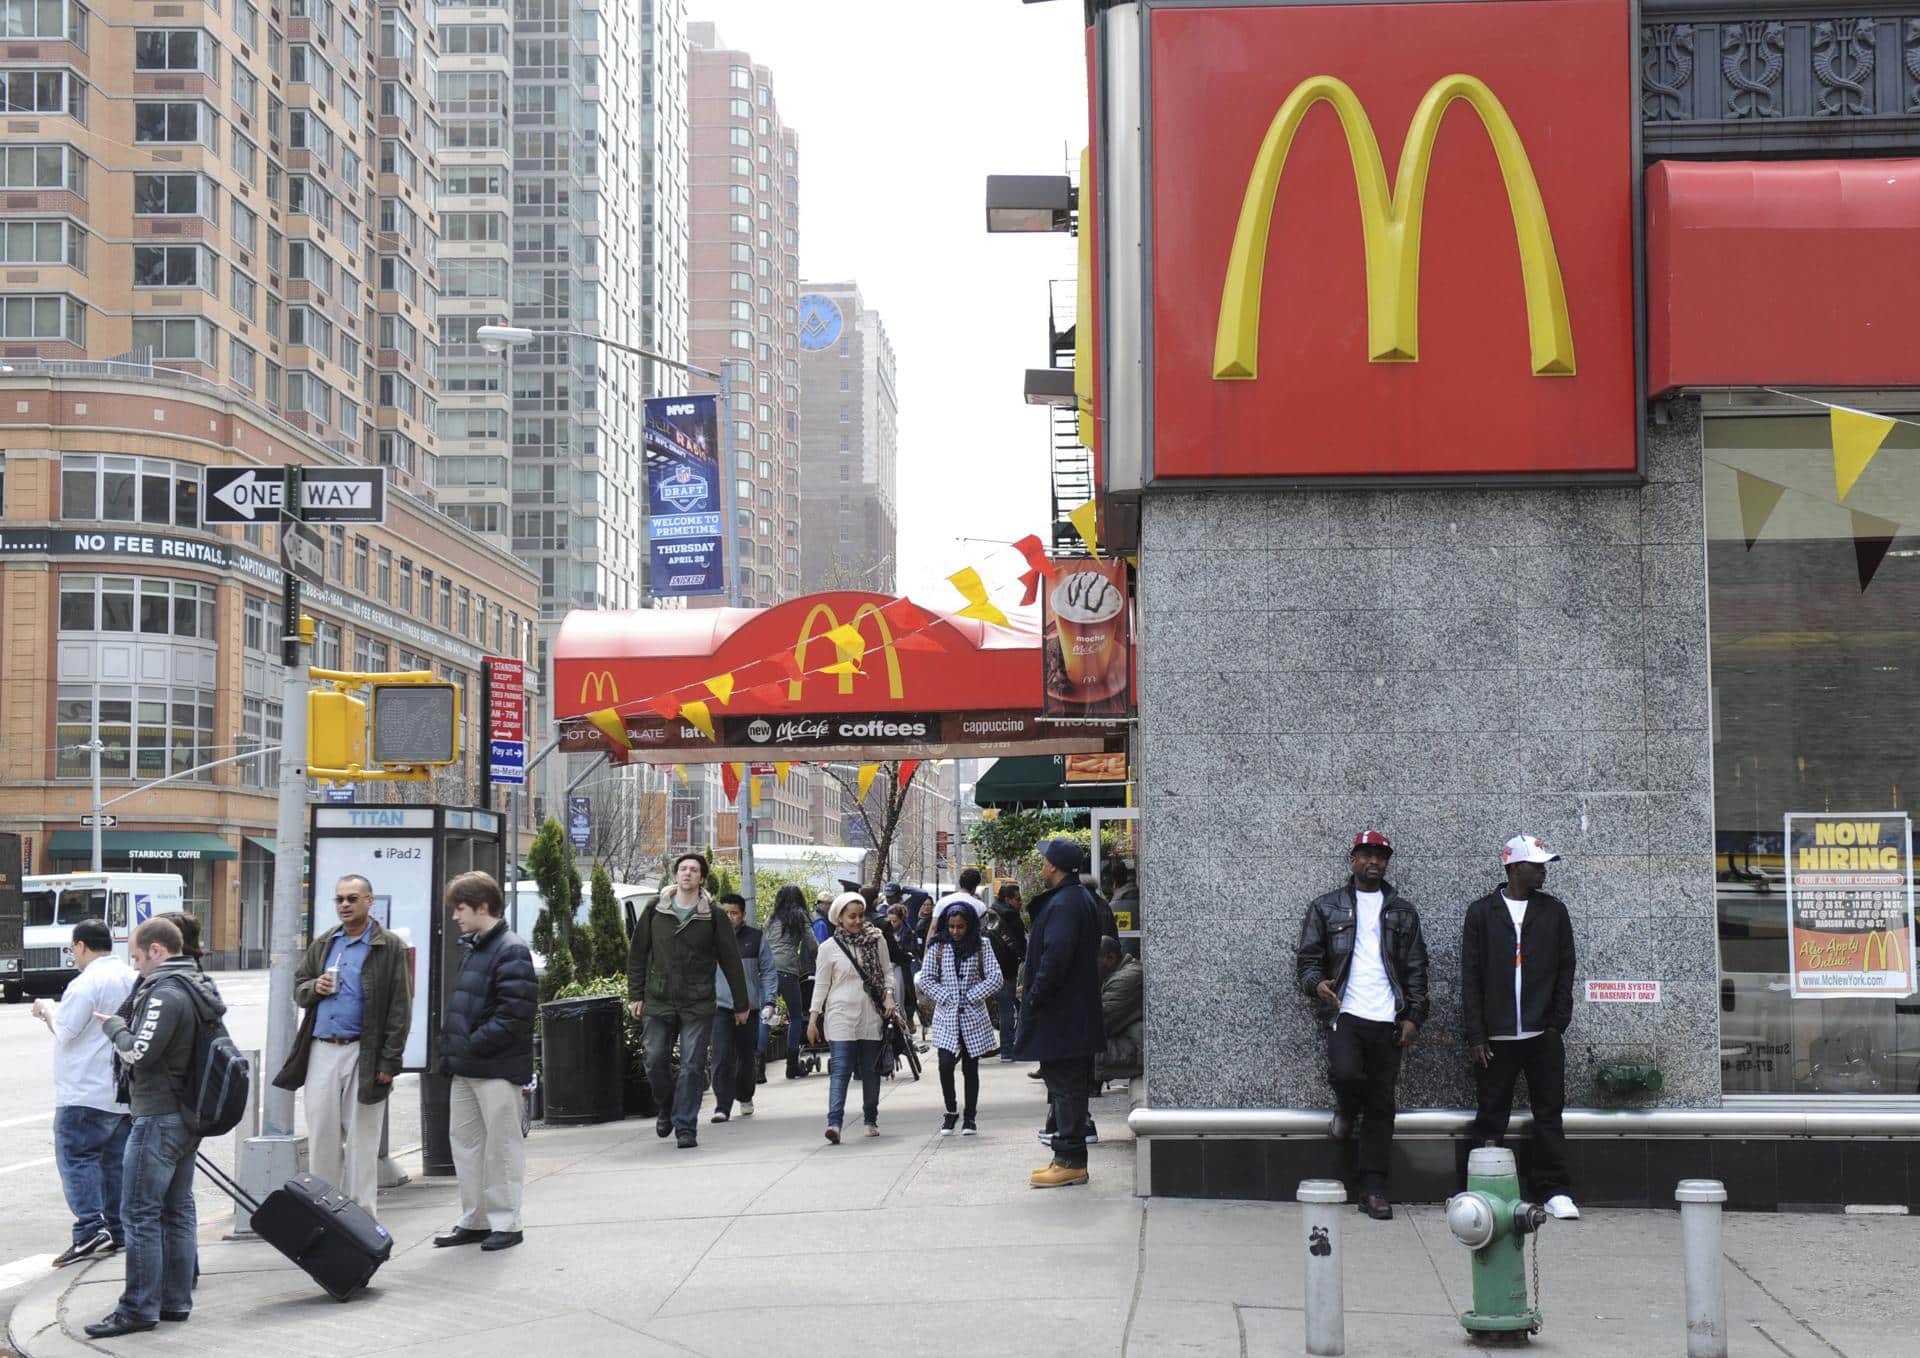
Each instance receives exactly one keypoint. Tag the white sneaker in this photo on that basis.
(1560, 1207)
(746, 1109)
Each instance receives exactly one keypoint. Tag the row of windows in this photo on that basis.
(149, 732)
(120, 604)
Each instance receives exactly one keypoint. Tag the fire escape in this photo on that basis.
(1070, 460)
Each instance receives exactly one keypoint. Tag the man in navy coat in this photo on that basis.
(1060, 1023)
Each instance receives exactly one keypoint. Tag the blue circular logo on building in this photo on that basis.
(820, 321)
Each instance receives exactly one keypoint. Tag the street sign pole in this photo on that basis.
(290, 848)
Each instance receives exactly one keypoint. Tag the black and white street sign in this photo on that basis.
(107, 821)
(301, 552)
(327, 495)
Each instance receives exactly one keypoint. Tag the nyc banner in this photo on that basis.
(685, 523)
(1850, 904)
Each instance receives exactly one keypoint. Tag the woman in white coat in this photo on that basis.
(961, 976)
(852, 968)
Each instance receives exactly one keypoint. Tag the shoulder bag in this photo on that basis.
(893, 1041)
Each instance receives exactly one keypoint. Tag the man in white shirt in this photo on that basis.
(1363, 960)
(90, 1124)
(1516, 996)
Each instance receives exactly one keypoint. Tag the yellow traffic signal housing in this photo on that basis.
(336, 730)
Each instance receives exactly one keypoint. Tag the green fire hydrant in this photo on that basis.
(1491, 1220)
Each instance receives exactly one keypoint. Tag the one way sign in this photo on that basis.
(327, 494)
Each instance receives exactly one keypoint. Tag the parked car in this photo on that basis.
(526, 903)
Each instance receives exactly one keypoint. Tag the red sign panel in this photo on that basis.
(508, 694)
(1393, 240)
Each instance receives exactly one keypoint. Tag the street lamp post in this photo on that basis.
(505, 337)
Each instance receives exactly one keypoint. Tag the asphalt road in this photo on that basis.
(34, 1222)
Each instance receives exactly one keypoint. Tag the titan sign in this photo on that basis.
(1296, 333)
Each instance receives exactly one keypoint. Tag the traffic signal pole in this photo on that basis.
(291, 832)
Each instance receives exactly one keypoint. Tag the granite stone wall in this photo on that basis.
(1452, 667)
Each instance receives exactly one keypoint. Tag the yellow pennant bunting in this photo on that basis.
(681, 769)
(780, 767)
(1857, 436)
(1758, 496)
(1085, 521)
(753, 793)
(611, 725)
(867, 774)
(851, 648)
(721, 688)
(700, 715)
(971, 587)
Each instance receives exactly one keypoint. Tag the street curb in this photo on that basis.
(35, 1330)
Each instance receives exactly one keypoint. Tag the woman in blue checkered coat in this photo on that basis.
(961, 976)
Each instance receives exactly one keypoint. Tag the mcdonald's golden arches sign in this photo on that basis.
(1392, 240)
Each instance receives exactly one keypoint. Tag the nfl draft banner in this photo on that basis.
(1850, 904)
(685, 526)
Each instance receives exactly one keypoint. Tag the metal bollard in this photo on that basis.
(1321, 1206)
(1704, 1265)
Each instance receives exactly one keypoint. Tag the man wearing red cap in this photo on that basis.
(1363, 961)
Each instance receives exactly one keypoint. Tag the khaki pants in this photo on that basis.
(343, 1134)
(489, 1152)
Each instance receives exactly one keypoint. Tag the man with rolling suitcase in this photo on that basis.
(156, 1046)
(486, 1045)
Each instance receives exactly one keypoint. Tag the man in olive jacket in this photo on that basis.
(356, 984)
(682, 937)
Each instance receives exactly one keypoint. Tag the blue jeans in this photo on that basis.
(656, 1040)
(1009, 1018)
(843, 1059)
(89, 1145)
(157, 1204)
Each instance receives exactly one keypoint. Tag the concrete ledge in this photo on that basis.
(34, 1327)
(1734, 1120)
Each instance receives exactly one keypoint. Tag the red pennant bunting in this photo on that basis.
(1035, 551)
(729, 781)
(919, 641)
(1030, 579)
(770, 693)
(903, 615)
(666, 705)
(907, 766)
(788, 665)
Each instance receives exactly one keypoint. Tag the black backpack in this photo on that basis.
(218, 1077)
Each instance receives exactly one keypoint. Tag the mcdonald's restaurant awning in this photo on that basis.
(157, 846)
(928, 684)
(1041, 780)
(1731, 300)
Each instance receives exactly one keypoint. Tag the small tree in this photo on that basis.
(1011, 835)
(550, 863)
(880, 810)
(605, 927)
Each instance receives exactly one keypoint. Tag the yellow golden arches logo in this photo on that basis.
(823, 613)
(1888, 944)
(1391, 223)
(602, 685)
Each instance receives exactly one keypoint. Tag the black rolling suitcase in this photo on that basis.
(318, 1227)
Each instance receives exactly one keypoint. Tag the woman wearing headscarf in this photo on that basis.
(790, 935)
(853, 996)
(961, 976)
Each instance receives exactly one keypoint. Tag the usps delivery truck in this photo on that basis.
(54, 904)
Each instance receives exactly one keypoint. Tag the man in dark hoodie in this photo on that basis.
(155, 1045)
(1516, 999)
(1363, 961)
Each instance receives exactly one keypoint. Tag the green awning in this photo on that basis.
(141, 846)
(1041, 780)
(265, 843)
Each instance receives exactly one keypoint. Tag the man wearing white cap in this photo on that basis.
(1516, 997)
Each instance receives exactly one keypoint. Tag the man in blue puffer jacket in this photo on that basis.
(486, 1046)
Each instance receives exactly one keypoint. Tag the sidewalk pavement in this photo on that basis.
(767, 1239)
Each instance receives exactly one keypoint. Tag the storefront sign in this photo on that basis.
(1623, 992)
(1850, 904)
(1095, 768)
(1087, 639)
(1473, 316)
(172, 549)
(685, 525)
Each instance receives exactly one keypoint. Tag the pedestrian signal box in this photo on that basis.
(336, 730)
(416, 724)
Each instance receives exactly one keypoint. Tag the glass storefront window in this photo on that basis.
(1815, 651)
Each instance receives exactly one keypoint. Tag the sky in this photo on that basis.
(902, 109)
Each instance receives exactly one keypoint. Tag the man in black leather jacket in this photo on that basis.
(486, 1045)
(1362, 960)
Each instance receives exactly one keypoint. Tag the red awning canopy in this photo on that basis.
(1783, 273)
(930, 684)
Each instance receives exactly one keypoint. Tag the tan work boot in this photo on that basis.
(1057, 1175)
